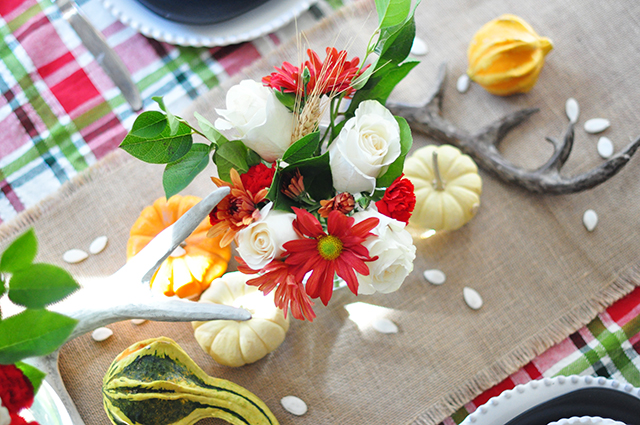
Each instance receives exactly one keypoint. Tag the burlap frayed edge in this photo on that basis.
(28, 217)
(510, 363)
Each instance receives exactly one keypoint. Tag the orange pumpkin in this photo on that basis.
(192, 266)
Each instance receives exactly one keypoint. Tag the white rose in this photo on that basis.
(367, 144)
(264, 124)
(261, 241)
(395, 250)
(5, 418)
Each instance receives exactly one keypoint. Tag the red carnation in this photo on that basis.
(398, 201)
(257, 178)
(16, 391)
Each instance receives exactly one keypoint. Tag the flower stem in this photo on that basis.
(438, 184)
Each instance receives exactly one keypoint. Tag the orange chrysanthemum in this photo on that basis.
(339, 251)
(334, 75)
(236, 211)
(290, 292)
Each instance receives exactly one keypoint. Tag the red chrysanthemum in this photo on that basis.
(236, 211)
(19, 420)
(332, 76)
(338, 251)
(399, 200)
(257, 178)
(16, 391)
(289, 293)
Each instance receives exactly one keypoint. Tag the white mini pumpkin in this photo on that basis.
(447, 187)
(236, 343)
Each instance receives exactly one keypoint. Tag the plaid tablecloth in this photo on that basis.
(59, 113)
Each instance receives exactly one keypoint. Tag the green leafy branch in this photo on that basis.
(35, 331)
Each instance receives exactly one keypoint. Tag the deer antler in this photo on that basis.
(483, 147)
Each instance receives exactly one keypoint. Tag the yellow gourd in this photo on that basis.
(506, 56)
(236, 343)
(447, 187)
(192, 267)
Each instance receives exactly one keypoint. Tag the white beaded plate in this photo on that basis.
(511, 403)
(257, 22)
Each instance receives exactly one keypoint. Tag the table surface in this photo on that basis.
(60, 114)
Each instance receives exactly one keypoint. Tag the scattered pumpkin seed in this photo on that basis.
(596, 125)
(98, 245)
(385, 326)
(74, 256)
(435, 276)
(590, 220)
(472, 298)
(101, 334)
(294, 405)
(419, 47)
(463, 83)
(138, 321)
(605, 147)
(572, 109)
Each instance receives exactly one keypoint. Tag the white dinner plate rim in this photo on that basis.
(511, 403)
(264, 19)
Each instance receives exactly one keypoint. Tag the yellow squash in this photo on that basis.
(506, 56)
(447, 187)
(236, 343)
(192, 267)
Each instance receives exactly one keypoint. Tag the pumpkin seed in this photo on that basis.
(590, 220)
(463, 83)
(472, 298)
(138, 321)
(435, 276)
(605, 147)
(385, 326)
(74, 256)
(572, 109)
(98, 245)
(294, 405)
(596, 125)
(101, 334)
(419, 47)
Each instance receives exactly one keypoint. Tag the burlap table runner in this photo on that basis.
(541, 274)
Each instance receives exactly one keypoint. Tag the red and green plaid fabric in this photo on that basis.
(608, 346)
(60, 113)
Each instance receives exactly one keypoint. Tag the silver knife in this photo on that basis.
(95, 42)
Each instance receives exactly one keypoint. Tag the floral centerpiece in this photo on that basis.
(314, 163)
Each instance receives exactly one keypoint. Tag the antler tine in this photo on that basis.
(483, 147)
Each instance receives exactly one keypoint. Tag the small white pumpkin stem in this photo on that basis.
(438, 184)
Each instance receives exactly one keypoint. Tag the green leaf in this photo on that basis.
(209, 130)
(177, 175)
(253, 158)
(395, 169)
(149, 124)
(392, 13)
(394, 45)
(174, 123)
(161, 149)
(20, 253)
(302, 149)
(231, 155)
(35, 375)
(40, 285)
(33, 333)
(287, 99)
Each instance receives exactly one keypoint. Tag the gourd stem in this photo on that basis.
(438, 184)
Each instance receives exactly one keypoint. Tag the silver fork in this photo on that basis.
(126, 295)
(95, 42)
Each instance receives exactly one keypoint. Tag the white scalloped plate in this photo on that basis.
(511, 403)
(586, 420)
(262, 20)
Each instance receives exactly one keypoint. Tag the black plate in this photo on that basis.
(200, 12)
(605, 403)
